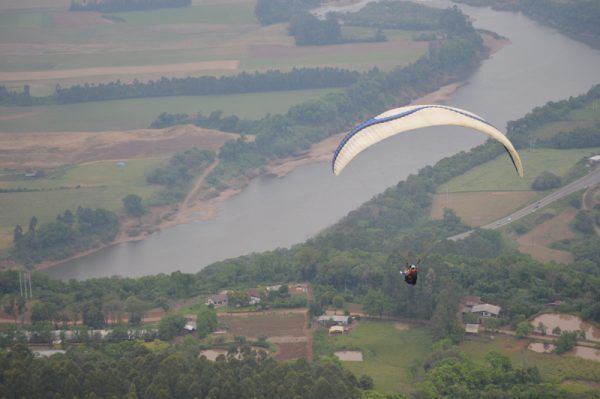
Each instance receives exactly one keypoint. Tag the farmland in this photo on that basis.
(40, 44)
(388, 352)
(140, 112)
(97, 185)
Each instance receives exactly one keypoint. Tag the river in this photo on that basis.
(538, 66)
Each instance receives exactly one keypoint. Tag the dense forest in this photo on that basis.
(130, 370)
(256, 82)
(125, 5)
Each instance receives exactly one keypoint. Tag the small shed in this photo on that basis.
(335, 330)
(190, 326)
(472, 329)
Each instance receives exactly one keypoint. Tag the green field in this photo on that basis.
(102, 185)
(499, 174)
(553, 368)
(140, 112)
(388, 353)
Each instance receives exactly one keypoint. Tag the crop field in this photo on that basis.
(270, 324)
(553, 368)
(101, 184)
(388, 352)
(469, 205)
(140, 112)
(499, 174)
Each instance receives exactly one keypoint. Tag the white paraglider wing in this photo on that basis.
(400, 120)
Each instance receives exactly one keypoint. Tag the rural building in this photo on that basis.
(217, 300)
(190, 326)
(334, 330)
(470, 301)
(273, 287)
(329, 320)
(254, 295)
(595, 159)
(472, 328)
(486, 310)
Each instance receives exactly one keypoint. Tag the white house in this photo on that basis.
(190, 326)
(217, 300)
(486, 310)
(333, 320)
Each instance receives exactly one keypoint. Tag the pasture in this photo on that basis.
(140, 112)
(97, 185)
(499, 173)
(481, 207)
(388, 352)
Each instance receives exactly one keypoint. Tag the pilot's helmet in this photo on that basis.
(413, 267)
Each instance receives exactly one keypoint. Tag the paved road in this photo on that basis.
(591, 179)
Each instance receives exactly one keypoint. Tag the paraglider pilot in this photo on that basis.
(410, 275)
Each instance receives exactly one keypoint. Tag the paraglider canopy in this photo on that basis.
(400, 120)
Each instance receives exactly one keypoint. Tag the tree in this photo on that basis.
(541, 327)
(556, 330)
(365, 382)
(524, 329)
(170, 326)
(133, 205)
(13, 305)
(206, 321)
(566, 342)
(546, 181)
(136, 309)
(338, 301)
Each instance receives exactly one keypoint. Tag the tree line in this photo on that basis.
(125, 5)
(131, 370)
(244, 82)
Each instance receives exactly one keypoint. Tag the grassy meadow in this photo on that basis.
(139, 113)
(499, 174)
(388, 352)
(101, 184)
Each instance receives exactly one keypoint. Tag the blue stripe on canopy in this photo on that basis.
(375, 121)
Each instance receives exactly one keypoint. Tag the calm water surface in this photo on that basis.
(539, 65)
(567, 322)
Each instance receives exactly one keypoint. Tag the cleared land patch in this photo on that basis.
(480, 208)
(31, 150)
(536, 242)
(271, 324)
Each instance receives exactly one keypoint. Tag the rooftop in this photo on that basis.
(486, 307)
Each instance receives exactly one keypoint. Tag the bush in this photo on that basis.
(546, 181)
